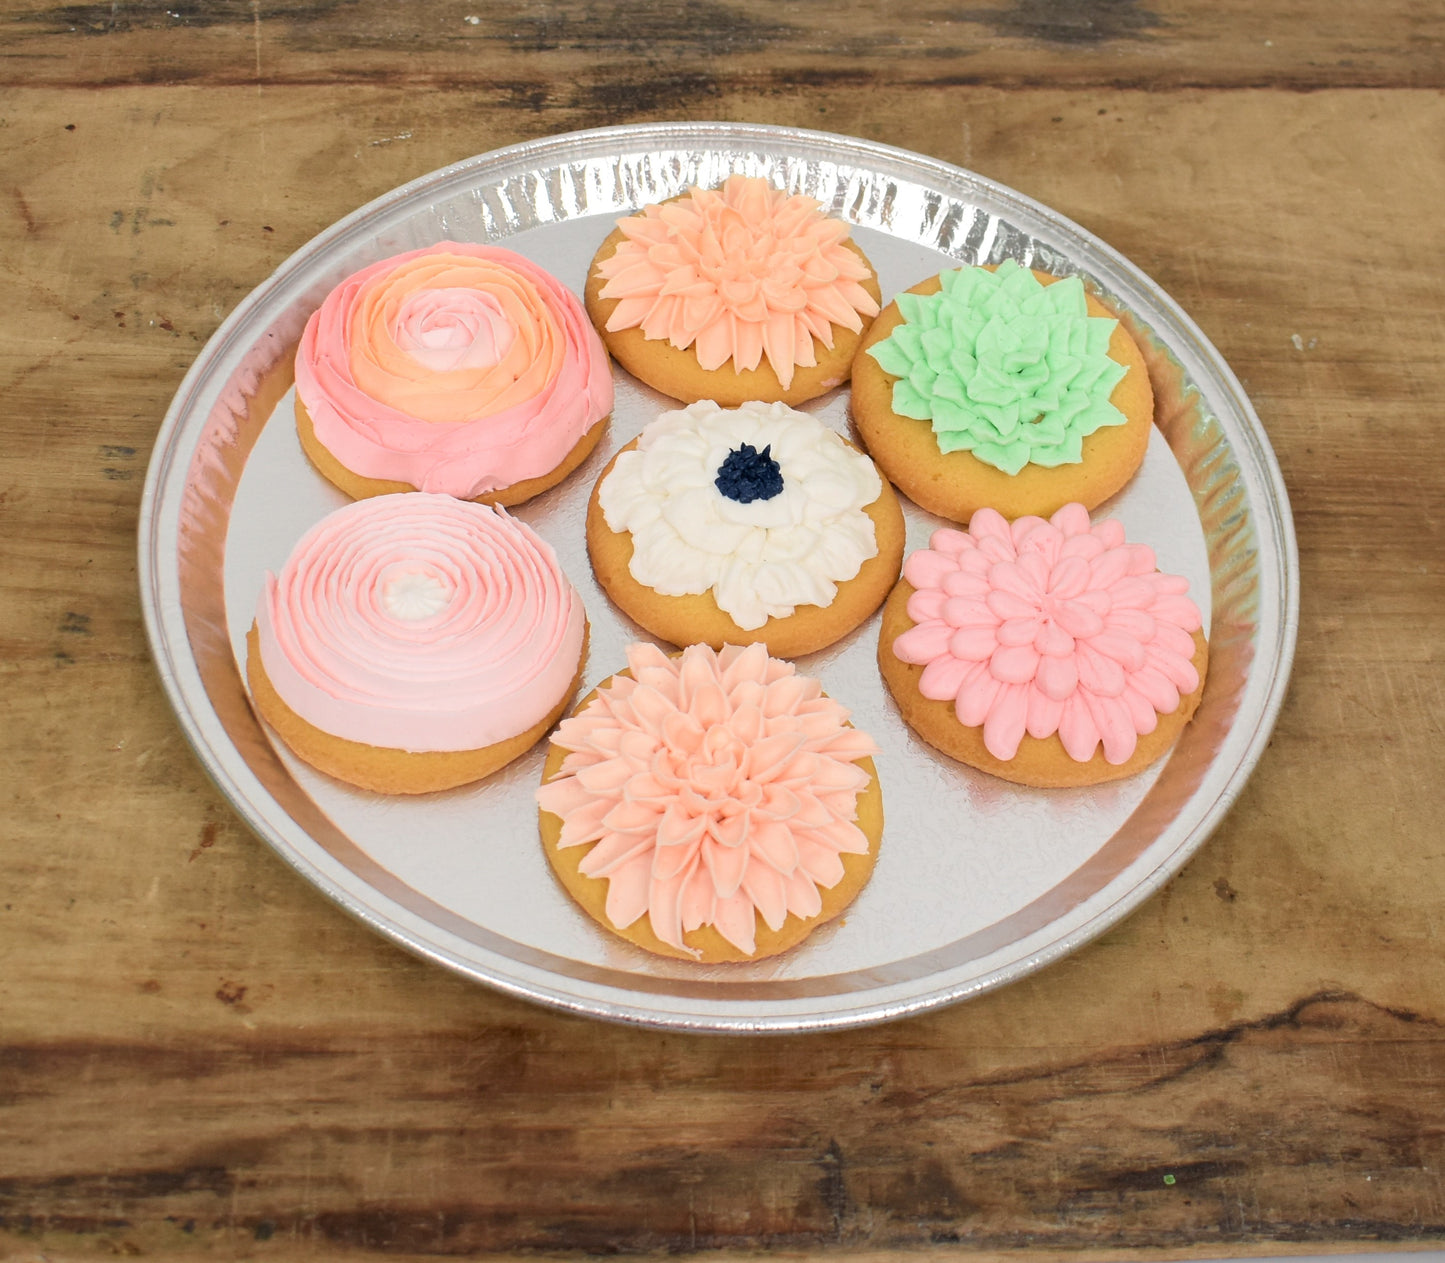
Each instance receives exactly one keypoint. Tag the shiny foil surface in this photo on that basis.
(978, 882)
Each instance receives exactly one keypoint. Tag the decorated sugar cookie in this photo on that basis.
(733, 294)
(711, 806)
(1049, 653)
(464, 369)
(415, 642)
(757, 523)
(1002, 388)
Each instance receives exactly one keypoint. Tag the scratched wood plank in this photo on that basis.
(199, 1055)
(516, 1135)
(616, 57)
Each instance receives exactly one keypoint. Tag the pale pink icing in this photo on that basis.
(715, 786)
(741, 272)
(1045, 627)
(460, 368)
(421, 623)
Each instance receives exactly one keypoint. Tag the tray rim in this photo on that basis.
(712, 136)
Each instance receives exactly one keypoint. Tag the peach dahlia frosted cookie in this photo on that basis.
(1002, 388)
(415, 642)
(712, 806)
(461, 368)
(1049, 653)
(756, 523)
(743, 292)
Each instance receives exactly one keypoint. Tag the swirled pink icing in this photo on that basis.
(420, 622)
(738, 272)
(460, 368)
(714, 787)
(1049, 626)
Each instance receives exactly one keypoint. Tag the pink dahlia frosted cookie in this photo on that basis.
(464, 369)
(1049, 653)
(757, 523)
(731, 294)
(711, 806)
(415, 642)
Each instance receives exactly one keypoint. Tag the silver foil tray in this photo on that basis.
(978, 882)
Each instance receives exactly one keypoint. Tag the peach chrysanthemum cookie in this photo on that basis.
(756, 523)
(464, 369)
(415, 642)
(1002, 388)
(732, 294)
(1049, 653)
(711, 806)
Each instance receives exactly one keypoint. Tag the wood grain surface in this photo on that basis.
(199, 1055)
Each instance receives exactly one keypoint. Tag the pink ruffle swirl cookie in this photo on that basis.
(714, 806)
(415, 642)
(464, 369)
(1049, 653)
(734, 294)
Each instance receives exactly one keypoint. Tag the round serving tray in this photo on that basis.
(978, 882)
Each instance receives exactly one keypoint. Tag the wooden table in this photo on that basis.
(200, 1054)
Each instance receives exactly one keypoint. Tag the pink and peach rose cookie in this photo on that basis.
(712, 806)
(1049, 653)
(413, 643)
(463, 369)
(734, 294)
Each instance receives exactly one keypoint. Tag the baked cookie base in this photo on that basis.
(686, 620)
(1041, 763)
(380, 768)
(955, 485)
(359, 487)
(590, 893)
(677, 372)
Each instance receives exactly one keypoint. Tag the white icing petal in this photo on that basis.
(692, 518)
(763, 559)
(790, 543)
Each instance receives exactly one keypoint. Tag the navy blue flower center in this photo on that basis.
(748, 474)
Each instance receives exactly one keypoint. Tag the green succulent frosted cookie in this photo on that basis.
(1002, 366)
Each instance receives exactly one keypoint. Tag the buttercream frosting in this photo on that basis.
(422, 623)
(738, 273)
(1012, 370)
(762, 557)
(712, 787)
(1044, 627)
(460, 368)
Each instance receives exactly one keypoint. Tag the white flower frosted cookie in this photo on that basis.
(743, 525)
